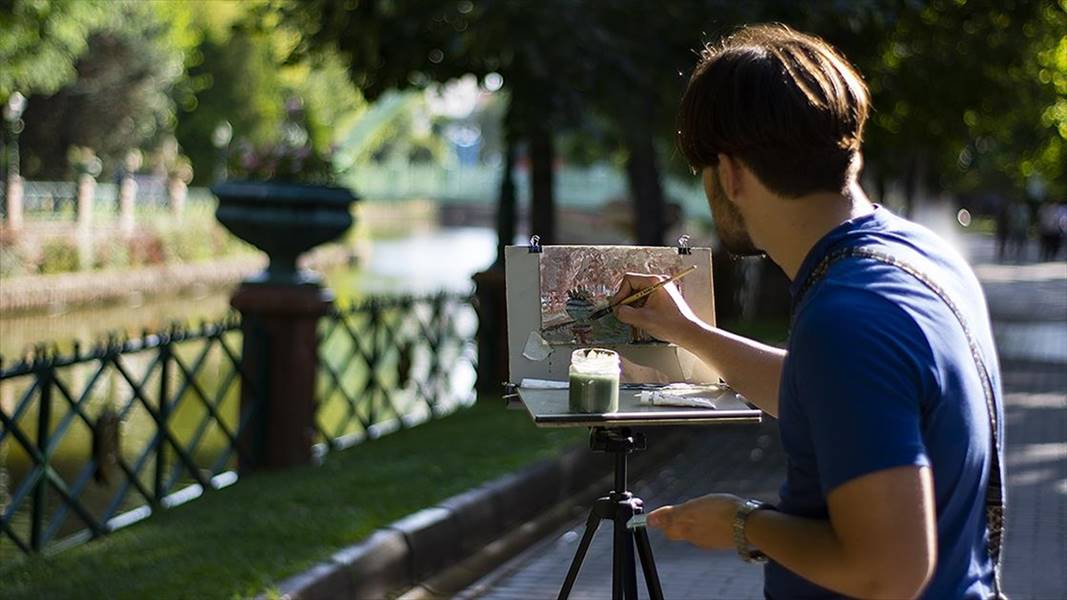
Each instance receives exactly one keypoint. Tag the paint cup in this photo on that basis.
(594, 380)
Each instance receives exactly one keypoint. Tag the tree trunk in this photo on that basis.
(915, 178)
(505, 212)
(642, 170)
(880, 186)
(542, 198)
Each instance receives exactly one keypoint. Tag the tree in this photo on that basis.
(237, 73)
(119, 99)
(41, 41)
(958, 93)
(233, 79)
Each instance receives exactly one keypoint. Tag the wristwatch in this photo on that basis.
(744, 550)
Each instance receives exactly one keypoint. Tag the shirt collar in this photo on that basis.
(849, 229)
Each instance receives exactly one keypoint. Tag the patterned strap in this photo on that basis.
(994, 498)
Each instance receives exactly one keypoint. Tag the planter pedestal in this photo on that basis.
(280, 311)
(280, 357)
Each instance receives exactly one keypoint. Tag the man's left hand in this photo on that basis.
(706, 522)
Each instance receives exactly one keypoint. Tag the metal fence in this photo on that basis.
(576, 187)
(57, 200)
(93, 441)
(388, 363)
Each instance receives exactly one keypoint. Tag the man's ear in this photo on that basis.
(730, 176)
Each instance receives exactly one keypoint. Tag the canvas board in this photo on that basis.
(562, 283)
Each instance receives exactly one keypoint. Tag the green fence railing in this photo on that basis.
(389, 363)
(93, 441)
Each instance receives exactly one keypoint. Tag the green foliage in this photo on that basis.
(233, 79)
(198, 238)
(241, 540)
(202, 243)
(15, 259)
(59, 255)
(120, 99)
(967, 93)
(125, 74)
(237, 74)
(41, 41)
(112, 253)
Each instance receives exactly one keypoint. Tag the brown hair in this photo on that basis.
(786, 104)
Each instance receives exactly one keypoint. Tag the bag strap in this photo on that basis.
(994, 497)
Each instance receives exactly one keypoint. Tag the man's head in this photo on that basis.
(785, 105)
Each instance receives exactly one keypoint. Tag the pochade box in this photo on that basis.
(660, 383)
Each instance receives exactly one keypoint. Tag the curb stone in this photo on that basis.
(431, 536)
(427, 545)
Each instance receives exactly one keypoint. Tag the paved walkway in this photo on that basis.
(1029, 308)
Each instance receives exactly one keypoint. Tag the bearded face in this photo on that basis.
(729, 222)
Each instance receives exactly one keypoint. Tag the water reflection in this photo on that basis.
(443, 259)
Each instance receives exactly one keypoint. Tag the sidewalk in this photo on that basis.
(1028, 304)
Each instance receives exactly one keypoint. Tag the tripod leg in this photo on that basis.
(648, 565)
(619, 563)
(591, 525)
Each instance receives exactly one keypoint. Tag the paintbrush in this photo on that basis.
(634, 297)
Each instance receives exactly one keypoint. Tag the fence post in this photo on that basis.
(7, 405)
(177, 192)
(127, 196)
(158, 479)
(13, 197)
(86, 192)
(280, 353)
(40, 489)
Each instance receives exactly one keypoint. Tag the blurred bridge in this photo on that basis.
(581, 188)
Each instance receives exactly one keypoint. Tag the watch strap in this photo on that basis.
(744, 550)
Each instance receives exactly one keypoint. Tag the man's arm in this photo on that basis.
(880, 540)
(751, 368)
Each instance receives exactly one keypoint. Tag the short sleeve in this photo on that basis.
(862, 368)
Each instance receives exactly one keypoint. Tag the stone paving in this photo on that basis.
(1029, 308)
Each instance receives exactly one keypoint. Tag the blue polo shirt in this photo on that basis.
(879, 374)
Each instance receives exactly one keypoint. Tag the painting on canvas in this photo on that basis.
(579, 280)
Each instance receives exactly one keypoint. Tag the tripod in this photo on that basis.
(618, 506)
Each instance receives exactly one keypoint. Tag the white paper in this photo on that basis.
(544, 384)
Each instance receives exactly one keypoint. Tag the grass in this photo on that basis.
(238, 541)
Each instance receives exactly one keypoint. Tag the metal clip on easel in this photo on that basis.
(683, 245)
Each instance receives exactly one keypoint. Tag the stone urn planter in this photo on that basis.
(284, 220)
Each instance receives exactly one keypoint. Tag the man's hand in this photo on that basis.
(706, 522)
(664, 314)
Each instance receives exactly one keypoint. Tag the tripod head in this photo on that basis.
(619, 440)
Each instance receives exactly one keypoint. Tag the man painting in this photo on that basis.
(882, 411)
